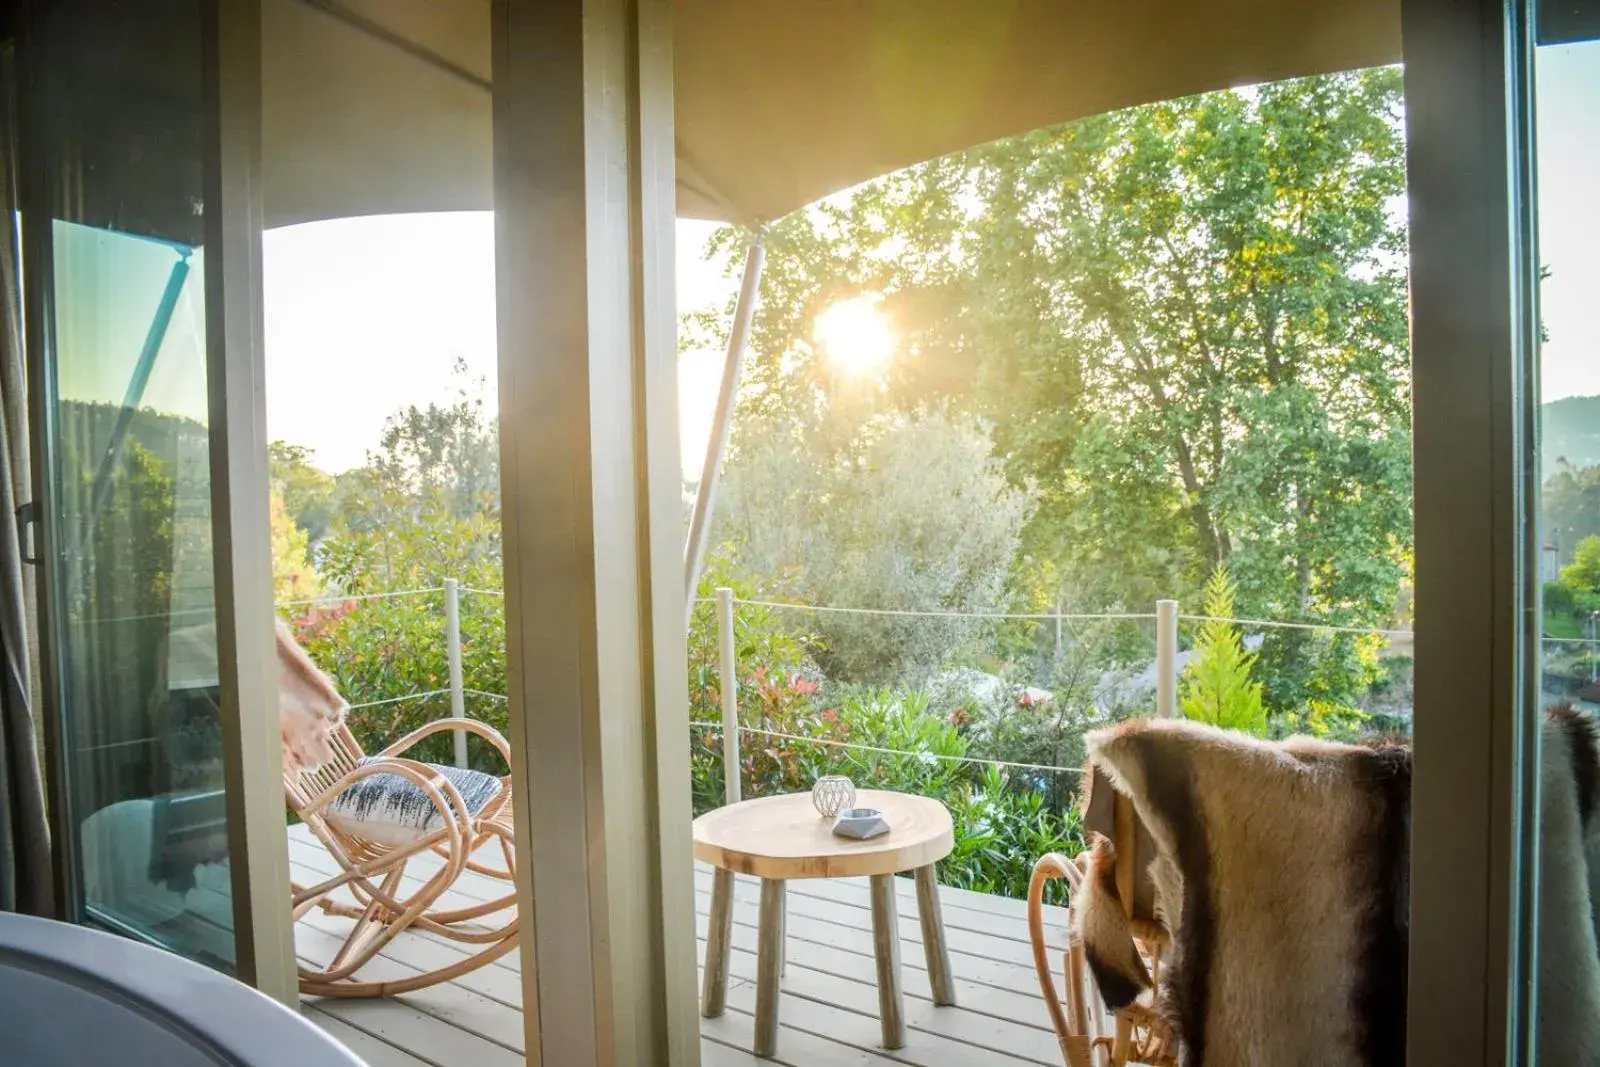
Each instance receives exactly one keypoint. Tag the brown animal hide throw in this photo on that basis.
(1282, 871)
(309, 707)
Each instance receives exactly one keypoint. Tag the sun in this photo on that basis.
(855, 335)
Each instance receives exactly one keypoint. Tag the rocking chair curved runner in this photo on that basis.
(378, 814)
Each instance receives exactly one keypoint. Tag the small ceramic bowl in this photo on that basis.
(861, 823)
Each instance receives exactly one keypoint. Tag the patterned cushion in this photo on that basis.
(390, 809)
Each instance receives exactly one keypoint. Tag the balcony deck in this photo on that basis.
(828, 1012)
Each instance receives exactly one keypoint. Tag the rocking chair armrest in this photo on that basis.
(471, 726)
(440, 791)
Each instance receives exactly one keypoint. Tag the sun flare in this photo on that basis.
(855, 334)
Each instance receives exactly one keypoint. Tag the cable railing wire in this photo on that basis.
(908, 613)
(348, 597)
(396, 700)
(1320, 626)
(1049, 616)
(856, 746)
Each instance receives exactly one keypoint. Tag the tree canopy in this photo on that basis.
(1186, 324)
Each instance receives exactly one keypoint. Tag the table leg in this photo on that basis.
(719, 945)
(768, 951)
(932, 916)
(783, 934)
(886, 947)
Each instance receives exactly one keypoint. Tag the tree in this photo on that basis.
(1216, 687)
(910, 513)
(306, 492)
(449, 453)
(1570, 504)
(425, 506)
(293, 577)
(1187, 325)
(1582, 575)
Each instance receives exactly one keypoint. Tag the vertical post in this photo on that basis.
(1167, 659)
(1475, 783)
(458, 689)
(258, 846)
(706, 494)
(733, 789)
(592, 513)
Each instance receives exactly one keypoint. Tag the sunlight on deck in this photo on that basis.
(829, 1006)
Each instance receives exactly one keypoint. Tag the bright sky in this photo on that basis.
(367, 315)
(364, 316)
(1569, 216)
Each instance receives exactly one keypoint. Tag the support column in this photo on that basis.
(247, 665)
(584, 213)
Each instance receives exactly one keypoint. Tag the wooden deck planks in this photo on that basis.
(828, 1012)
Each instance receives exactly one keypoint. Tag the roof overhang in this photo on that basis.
(382, 106)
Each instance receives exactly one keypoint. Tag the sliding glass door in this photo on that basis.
(123, 192)
(1558, 123)
(123, 441)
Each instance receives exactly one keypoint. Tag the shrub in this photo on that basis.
(1559, 598)
(911, 512)
(1000, 831)
(382, 653)
(1216, 687)
(1002, 823)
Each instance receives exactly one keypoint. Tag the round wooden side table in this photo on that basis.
(781, 838)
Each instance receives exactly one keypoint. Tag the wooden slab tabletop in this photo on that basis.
(784, 837)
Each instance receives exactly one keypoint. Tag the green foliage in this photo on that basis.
(306, 492)
(1582, 575)
(1133, 352)
(408, 520)
(393, 650)
(293, 577)
(1570, 504)
(1216, 687)
(445, 453)
(1329, 722)
(1186, 323)
(1002, 824)
(1000, 830)
(907, 512)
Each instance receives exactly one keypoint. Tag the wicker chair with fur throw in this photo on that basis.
(1279, 873)
(1115, 871)
(378, 815)
(1282, 873)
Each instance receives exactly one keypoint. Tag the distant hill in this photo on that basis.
(1570, 430)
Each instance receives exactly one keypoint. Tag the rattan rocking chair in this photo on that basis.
(378, 814)
(1089, 1034)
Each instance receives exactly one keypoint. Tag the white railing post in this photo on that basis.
(733, 791)
(458, 689)
(1167, 659)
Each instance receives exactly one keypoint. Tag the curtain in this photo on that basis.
(25, 873)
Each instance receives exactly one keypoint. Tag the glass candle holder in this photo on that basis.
(832, 794)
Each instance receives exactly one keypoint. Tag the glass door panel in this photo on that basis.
(115, 271)
(1565, 116)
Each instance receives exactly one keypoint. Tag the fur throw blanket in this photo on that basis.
(1282, 872)
(310, 709)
